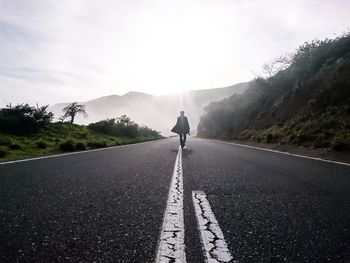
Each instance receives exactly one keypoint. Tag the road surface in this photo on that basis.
(213, 201)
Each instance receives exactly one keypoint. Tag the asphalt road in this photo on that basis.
(108, 205)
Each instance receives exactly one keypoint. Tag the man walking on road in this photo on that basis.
(182, 128)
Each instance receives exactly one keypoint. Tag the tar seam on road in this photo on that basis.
(72, 153)
(171, 247)
(285, 153)
(213, 241)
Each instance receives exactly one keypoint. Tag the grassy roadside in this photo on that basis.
(326, 130)
(59, 138)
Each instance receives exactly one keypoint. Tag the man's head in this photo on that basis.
(182, 113)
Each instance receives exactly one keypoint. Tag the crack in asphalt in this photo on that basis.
(213, 241)
(207, 228)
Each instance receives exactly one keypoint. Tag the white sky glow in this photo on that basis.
(75, 50)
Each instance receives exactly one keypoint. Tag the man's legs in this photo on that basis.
(182, 139)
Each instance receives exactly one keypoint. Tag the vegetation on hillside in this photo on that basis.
(122, 126)
(27, 131)
(304, 100)
(23, 119)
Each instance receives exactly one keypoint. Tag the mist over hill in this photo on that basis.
(158, 112)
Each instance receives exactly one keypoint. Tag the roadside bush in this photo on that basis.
(22, 119)
(269, 138)
(2, 153)
(338, 143)
(67, 146)
(245, 135)
(80, 146)
(5, 141)
(144, 131)
(122, 126)
(97, 144)
(15, 146)
(321, 141)
(41, 144)
(134, 140)
(107, 126)
(81, 135)
(130, 131)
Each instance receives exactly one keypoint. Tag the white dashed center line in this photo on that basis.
(171, 246)
(214, 244)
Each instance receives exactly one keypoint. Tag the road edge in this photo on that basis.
(281, 152)
(77, 152)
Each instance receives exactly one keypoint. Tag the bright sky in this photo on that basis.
(66, 50)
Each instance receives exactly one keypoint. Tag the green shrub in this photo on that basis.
(122, 126)
(67, 146)
(5, 141)
(269, 138)
(2, 153)
(81, 135)
(80, 146)
(321, 141)
(117, 141)
(97, 144)
(41, 144)
(24, 119)
(338, 143)
(15, 146)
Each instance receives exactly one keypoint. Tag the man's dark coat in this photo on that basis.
(181, 126)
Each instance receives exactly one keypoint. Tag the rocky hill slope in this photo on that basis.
(306, 102)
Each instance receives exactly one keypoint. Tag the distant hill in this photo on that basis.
(307, 102)
(158, 112)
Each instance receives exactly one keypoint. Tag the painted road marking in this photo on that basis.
(213, 241)
(171, 247)
(286, 153)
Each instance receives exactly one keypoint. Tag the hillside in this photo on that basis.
(307, 102)
(158, 112)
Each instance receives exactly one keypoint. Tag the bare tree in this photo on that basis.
(276, 65)
(71, 110)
